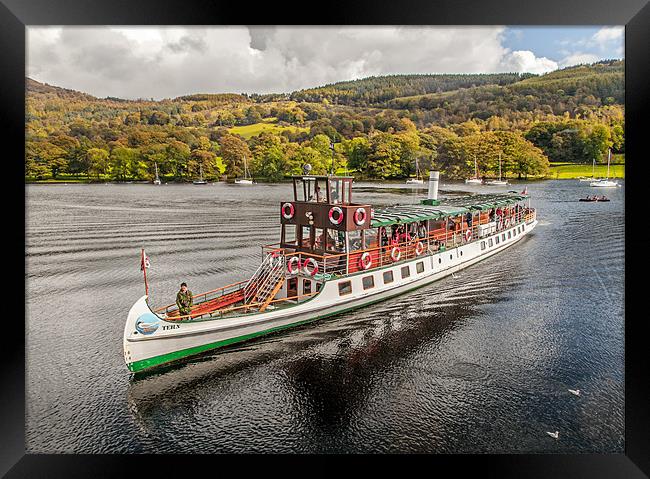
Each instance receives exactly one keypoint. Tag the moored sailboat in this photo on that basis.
(606, 182)
(498, 182)
(475, 180)
(200, 181)
(333, 256)
(156, 180)
(418, 179)
(247, 179)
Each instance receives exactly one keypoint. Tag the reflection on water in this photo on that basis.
(480, 361)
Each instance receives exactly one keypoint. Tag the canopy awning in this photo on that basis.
(448, 207)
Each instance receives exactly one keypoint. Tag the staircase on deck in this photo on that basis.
(265, 282)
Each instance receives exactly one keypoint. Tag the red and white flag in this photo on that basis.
(144, 262)
(525, 192)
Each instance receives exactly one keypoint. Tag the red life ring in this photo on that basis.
(287, 215)
(395, 254)
(468, 235)
(419, 248)
(293, 264)
(314, 265)
(365, 261)
(339, 212)
(360, 216)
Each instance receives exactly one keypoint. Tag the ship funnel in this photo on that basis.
(433, 185)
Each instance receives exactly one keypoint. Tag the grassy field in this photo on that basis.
(249, 131)
(563, 171)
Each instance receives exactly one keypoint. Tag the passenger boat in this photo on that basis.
(333, 256)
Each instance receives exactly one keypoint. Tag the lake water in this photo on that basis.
(478, 362)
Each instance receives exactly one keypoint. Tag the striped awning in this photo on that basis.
(449, 207)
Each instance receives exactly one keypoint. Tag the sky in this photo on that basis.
(166, 62)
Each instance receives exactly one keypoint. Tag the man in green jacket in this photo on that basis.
(184, 300)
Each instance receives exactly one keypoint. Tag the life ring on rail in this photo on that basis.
(293, 265)
(419, 248)
(360, 216)
(468, 235)
(365, 261)
(339, 215)
(288, 211)
(314, 266)
(395, 254)
(507, 222)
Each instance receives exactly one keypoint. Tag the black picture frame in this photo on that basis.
(634, 14)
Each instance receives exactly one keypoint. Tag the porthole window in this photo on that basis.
(482, 245)
(419, 267)
(406, 272)
(439, 260)
(509, 235)
(388, 277)
(345, 288)
(490, 243)
(451, 256)
(368, 282)
(503, 236)
(496, 239)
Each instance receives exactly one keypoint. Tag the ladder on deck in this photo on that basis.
(265, 282)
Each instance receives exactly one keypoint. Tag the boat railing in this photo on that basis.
(267, 275)
(341, 264)
(245, 308)
(204, 297)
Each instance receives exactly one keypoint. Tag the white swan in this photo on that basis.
(554, 435)
(575, 392)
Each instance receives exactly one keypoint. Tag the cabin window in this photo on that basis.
(406, 272)
(497, 239)
(336, 241)
(388, 277)
(509, 235)
(439, 260)
(355, 240)
(368, 282)
(461, 253)
(370, 238)
(319, 286)
(420, 267)
(482, 245)
(345, 288)
(503, 236)
(523, 226)
(306, 287)
(451, 256)
(292, 287)
(490, 243)
(319, 238)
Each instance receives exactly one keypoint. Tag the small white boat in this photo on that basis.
(200, 181)
(417, 180)
(247, 179)
(498, 182)
(605, 182)
(476, 180)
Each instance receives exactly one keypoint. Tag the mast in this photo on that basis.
(201, 172)
(499, 166)
(609, 155)
(475, 168)
(593, 170)
(156, 165)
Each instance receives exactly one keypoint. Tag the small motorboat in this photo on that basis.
(594, 198)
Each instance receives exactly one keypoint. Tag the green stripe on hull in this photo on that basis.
(138, 366)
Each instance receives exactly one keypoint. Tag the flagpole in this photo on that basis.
(144, 271)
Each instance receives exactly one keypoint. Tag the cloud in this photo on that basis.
(578, 58)
(526, 61)
(608, 34)
(164, 62)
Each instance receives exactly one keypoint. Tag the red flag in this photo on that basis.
(525, 192)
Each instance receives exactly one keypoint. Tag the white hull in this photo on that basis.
(604, 184)
(496, 183)
(172, 340)
(243, 182)
(412, 181)
(474, 181)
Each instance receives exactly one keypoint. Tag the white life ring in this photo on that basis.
(395, 254)
(500, 224)
(468, 235)
(314, 265)
(293, 265)
(507, 223)
(339, 212)
(287, 215)
(365, 261)
(419, 248)
(360, 216)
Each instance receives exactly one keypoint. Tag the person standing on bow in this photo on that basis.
(184, 300)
